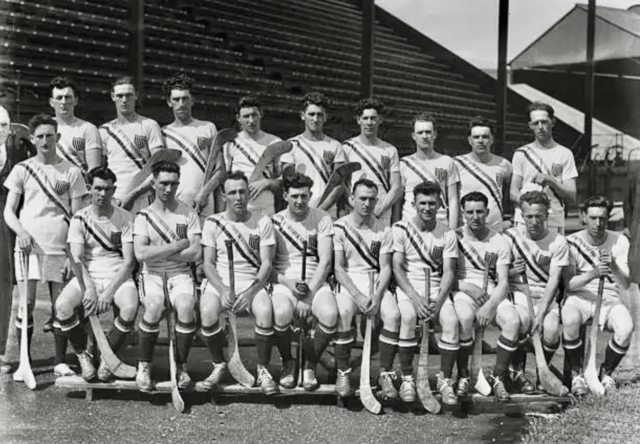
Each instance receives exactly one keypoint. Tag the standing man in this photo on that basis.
(421, 243)
(166, 237)
(101, 244)
(364, 244)
(481, 170)
(544, 165)
(245, 151)
(379, 159)
(127, 143)
(314, 153)
(426, 165)
(291, 295)
(254, 241)
(596, 253)
(79, 141)
(52, 190)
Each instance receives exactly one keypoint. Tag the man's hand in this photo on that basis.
(372, 306)
(422, 308)
(258, 187)
(518, 267)
(227, 299)
(485, 315)
(299, 289)
(26, 243)
(537, 323)
(90, 300)
(361, 300)
(542, 179)
(105, 300)
(183, 244)
(243, 301)
(200, 200)
(303, 310)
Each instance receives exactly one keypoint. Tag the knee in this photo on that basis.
(63, 308)
(551, 328)
(408, 318)
(282, 313)
(153, 309)
(571, 322)
(391, 318)
(509, 323)
(262, 308)
(129, 309)
(184, 305)
(623, 332)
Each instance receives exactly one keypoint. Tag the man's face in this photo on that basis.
(596, 219)
(298, 200)
(101, 192)
(424, 135)
(236, 195)
(166, 185)
(535, 218)
(541, 125)
(250, 119)
(63, 101)
(475, 214)
(5, 125)
(480, 140)
(125, 97)
(369, 122)
(181, 103)
(426, 206)
(44, 138)
(314, 118)
(364, 200)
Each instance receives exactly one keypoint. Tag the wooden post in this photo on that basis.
(589, 80)
(136, 44)
(366, 69)
(501, 85)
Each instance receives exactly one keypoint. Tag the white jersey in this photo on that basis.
(491, 178)
(163, 229)
(473, 256)
(243, 154)
(194, 142)
(47, 191)
(290, 234)
(584, 257)
(558, 162)
(247, 238)
(76, 140)
(422, 250)
(362, 247)
(102, 240)
(414, 171)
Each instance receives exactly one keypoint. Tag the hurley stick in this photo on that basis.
(423, 388)
(176, 398)
(299, 353)
(482, 385)
(366, 394)
(590, 373)
(24, 370)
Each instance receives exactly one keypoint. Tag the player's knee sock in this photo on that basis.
(117, 335)
(388, 344)
(406, 350)
(462, 360)
(343, 343)
(72, 330)
(214, 338)
(263, 344)
(448, 354)
(283, 341)
(504, 352)
(321, 340)
(185, 332)
(549, 350)
(148, 337)
(573, 352)
(612, 356)
(519, 356)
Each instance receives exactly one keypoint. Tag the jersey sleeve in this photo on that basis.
(267, 233)
(450, 250)
(15, 180)
(104, 137)
(560, 253)
(76, 231)
(403, 173)
(78, 187)
(92, 138)
(209, 233)
(154, 134)
(394, 166)
(140, 226)
(338, 239)
(569, 171)
(193, 224)
(452, 175)
(399, 239)
(386, 242)
(325, 227)
(127, 227)
(503, 250)
(620, 253)
(518, 164)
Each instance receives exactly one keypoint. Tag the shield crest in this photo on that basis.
(204, 143)
(254, 241)
(181, 231)
(385, 161)
(499, 179)
(328, 157)
(441, 174)
(61, 187)
(544, 261)
(436, 254)
(556, 169)
(78, 144)
(141, 142)
(375, 248)
(313, 244)
(116, 239)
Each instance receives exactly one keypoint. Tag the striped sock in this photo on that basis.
(612, 356)
(573, 351)
(448, 354)
(504, 352)
(263, 337)
(214, 338)
(462, 359)
(343, 343)
(388, 348)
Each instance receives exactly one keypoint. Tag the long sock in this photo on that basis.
(519, 356)
(343, 344)
(214, 338)
(448, 354)
(549, 350)
(184, 337)
(388, 344)
(148, 338)
(117, 335)
(612, 356)
(573, 351)
(406, 350)
(462, 360)
(504, 353)
(61, 348)
(263, 344)
(321, 340)
(283, 342)
(71, 329)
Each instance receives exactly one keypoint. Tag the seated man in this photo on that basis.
(419, 244)
(101, 243)
(313, 296)
(254, 246)
(166, 237)
(596, 253)
(481, 247)
(364, 244)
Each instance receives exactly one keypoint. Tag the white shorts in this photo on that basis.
(519, 298)
(208, 289)
(403, 297)
(42, 267)
(462, 296)
(283, 290)
(587, 308)
(102, 283)
(177, 284)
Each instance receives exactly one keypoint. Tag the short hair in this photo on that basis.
(540, 106)
(425, 117)
(179, 81)
(298, 180)
(60, 82)
(427, 188)
(596, 201)
(481, 121)
(364, 182)
(248, 102)
(42, 119)
(101, 172)
(369, 103)
(314, 98)
(123, 80)
(535, 197)
(474, 196)
(235, 175)
(165, 166)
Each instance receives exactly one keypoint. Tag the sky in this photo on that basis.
(469, 28)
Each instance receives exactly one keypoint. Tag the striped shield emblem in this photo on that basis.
(313, 244)
(441, 174)
(500, 179)
(141, 142)
(544, 262)
(254, 241)
(204, 143)
(385, 161)
(181, 231)
(556, 169)
(375, 248)
(328, 157)
(78, 144)
(61, 187)
(116, 239)
(436, 254)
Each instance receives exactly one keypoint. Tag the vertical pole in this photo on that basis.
(366, 69)
(501, 86)
(589, 80)
(136, 44)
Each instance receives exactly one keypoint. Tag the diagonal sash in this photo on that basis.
(418, 244)
(528, 256)
(129, 148)
(70, 154)
(290, 233)
(586, 252)
(191, 149)
(250, 153)
(483, 178)
(413, 165)
(372, 163)
(313, 157)
(160, 226)
(476, 260)
(360, 245)
(98, 234)
(539, 165)
(240, 243)
(41, 178)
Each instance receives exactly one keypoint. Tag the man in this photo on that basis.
(426, 165)
(254, 243)
(364, 244)
(192, 137)
(127, 143)
(52, 190)
(166, 238)
(101, 244)
(481, 170)
(422, 244)
(314, 153)
(480, 248)
(79, 141)
(544, 165)
(378, 158)
(596, 253)
(245, 151)
(541, 255)
(293, 295)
